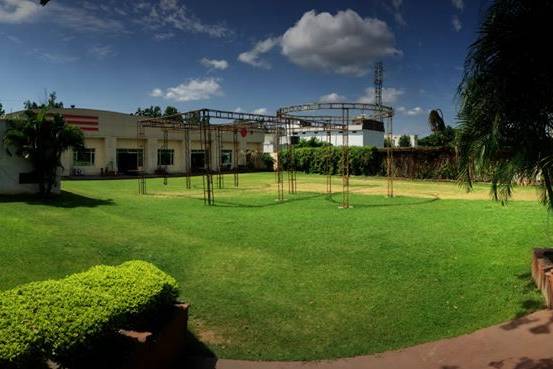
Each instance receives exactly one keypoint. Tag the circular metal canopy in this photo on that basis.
(371, 111)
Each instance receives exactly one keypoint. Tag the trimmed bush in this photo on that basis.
(55, 318)
(363, 160)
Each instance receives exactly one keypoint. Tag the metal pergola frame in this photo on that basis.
(207, 122)
(211, 123)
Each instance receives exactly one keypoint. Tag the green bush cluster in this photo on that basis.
(362, 160)
(55, 318)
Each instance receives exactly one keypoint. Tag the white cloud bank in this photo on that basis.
(344, 43)
(214, 63)
(456, 23)
(192, 90)
(332, 98)
(389, 95)
(17, 11)
(252, 57)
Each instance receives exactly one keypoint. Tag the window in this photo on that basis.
(84, 157)
(226, 158)
(165, 156)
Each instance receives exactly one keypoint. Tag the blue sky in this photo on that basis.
(236, 55)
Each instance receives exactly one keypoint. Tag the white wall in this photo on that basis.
(11, 167)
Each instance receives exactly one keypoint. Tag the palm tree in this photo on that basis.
(506, 99)
(436, 121)
(42, 138)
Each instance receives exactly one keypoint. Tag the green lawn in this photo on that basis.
(301, 279)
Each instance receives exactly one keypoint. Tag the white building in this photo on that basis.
(112, 148)
(362, 132)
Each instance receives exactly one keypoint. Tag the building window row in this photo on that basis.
(165, 157)
(84, 157)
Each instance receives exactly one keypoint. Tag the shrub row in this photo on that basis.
(362, 160)
(416, 163)
(55, 318)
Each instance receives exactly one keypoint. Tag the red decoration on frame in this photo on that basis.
(243, 132)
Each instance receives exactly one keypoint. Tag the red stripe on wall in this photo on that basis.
(88, 129)
(80, 117)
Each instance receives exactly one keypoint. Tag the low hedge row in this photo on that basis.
(362, 160)
(55, 318)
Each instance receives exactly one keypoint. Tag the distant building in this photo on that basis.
(413, 140)
(362, 132)
(111, 146)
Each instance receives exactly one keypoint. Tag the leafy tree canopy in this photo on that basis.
(51, 103)
(506, 99)
(404, 141)
(2, 111)
(445, 138)
(41, 138)
(312, 142)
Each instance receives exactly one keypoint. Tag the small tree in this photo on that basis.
(152, 112)
(2, 111)
(42, 138)
(404, 141)
(312, 142)
(387, 142)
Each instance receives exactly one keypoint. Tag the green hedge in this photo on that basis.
(363, 160)
(54, 318)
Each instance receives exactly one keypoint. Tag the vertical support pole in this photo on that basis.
(345, 159)
(278, 169)
(207, 176)
(235, 153)
(390, 158)
(291, 160)
(188, 156)
(329, 161)
(165, 150)
(140, 144)
(218, 159)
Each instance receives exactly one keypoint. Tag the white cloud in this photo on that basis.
(395, 9)
(389, 95)
(81, 19)
(164, 36)
(18, 11)
(332, 98)
(54, 58)
(156, 92)
(415, 111)
(214, 64)
(174, 14)
(344, 43)
(238, 110)
(14, 39)
(458, 4)
(194, 89)
(251, 57)
(456, 23)
(261, 111)
(101, 52)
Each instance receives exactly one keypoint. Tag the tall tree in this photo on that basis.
(51, 103)
(41, 138)
(2, 111)
(170, 110)
(506, 96)
(436, 121)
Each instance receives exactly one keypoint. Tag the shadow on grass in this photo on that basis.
(63, 200)
(289, 199)
(411, 202)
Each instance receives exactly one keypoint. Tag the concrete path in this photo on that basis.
(525, 343)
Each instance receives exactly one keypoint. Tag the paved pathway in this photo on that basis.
(525, 343)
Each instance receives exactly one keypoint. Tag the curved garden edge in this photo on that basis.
(520, 343)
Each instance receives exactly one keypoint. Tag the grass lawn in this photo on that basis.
(301, 279)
